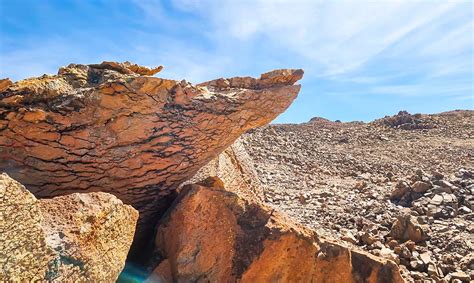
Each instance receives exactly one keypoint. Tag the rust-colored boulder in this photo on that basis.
(110, 127)
(213, 235)
(73, 238)
(5, 83)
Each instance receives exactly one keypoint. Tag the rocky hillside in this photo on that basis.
(400, 187)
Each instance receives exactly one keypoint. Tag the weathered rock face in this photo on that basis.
(110, 127)
(21, 234)
(235, 168)
(210, 234)
(93, 232)
(79, 237)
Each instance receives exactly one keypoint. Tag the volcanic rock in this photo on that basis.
(110, 127)
(78, 237)
(406, 121)
(406, 227)
(461, 276)
(401, 189)
(348, 237)
(421, 187)
(441, 200)
(213, 235)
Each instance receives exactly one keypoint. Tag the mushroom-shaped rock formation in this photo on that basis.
(110, 127)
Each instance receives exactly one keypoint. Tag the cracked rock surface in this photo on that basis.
(78, 237)
(112, 127)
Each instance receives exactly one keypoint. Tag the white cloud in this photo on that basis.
(422, 89)
(335, 36)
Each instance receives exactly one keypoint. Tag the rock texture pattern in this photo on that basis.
(212, 235)
(236, 170)
(24, 254)
(111, 127)
(79, 237)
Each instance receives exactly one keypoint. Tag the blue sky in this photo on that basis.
(362, 60)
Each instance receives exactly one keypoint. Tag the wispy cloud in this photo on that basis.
(335, 36)
(421, 90)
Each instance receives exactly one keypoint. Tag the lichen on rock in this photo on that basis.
(21, 234)
(78, 237)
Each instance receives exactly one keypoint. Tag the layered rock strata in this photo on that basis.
(111, 127)
(213, 235)
(235, 168)
(78, 237)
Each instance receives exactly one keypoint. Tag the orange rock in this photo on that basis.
(73, 238)
(213, 235)
(45, 152)
(34, 116)
(406, 227)
(128, 68)
(5, 83)
(144, 70)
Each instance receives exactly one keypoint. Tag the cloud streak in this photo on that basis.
(335, 36)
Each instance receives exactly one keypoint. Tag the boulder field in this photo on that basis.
(400, 187)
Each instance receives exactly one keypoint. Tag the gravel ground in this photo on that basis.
(401, 187)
